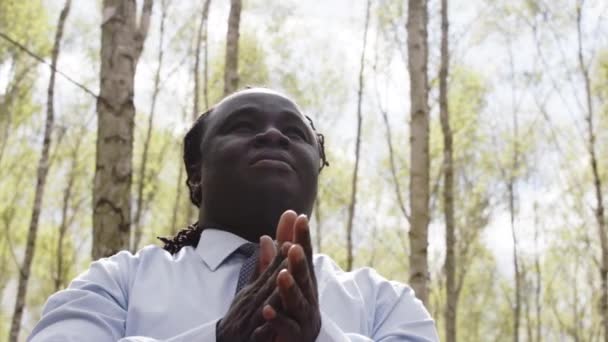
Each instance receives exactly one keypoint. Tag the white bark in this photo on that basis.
(122, 39)
(231, 66)
(419, 140)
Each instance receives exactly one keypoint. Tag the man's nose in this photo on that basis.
(271, 136)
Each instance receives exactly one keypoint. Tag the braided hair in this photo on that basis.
(192, 161)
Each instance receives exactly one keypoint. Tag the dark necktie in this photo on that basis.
(250, 251)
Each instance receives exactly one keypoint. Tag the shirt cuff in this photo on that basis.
(202, 333)
(330, 332)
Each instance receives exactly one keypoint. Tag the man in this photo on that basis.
(252, 163)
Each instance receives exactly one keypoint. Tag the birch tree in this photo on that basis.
(143, 175)
(593, 164)
(122, 41)
(448, 186)
(231, 65)
(41, 174)
(353, 195)
(201, 33)
(417, 51)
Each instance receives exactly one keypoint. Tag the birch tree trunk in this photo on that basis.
(448, 187)
(597, 181)
(181, 184)
(517, 275)
(511, 177)
(231, 66)
(319, 225)
(201, 35)
(122, 41)
(196, 91)
(41, 174)
(206, 56)
(538, 277)
(68, 192)
(417, 49)
(389, 140)
(143, 176)
(353, 195)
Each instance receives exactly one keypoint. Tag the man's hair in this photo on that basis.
(193, 161)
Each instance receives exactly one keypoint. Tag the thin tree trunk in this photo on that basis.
(526, 302)
(511, 192)
(575, 300)
(43, 168)
(419, 139)
(597, 182)
(143, 179)
(517, 304)
(318, 223)
(196, 90)
(231, 66)
(448, 188)
(122, 40)
(178, 194)
(353, 195)
(67, 196)
(389, 144)
(538, 275)
(199, 41)
(206, 58)
(177, 201)
(388, 135)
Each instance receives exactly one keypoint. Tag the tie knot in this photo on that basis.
(247, 249)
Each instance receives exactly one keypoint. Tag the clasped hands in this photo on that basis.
(281, 302)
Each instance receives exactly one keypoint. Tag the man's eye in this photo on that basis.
(242, 127)
(294, 132)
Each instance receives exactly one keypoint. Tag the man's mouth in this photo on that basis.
(273, 160)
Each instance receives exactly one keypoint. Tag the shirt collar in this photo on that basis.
(214, 246)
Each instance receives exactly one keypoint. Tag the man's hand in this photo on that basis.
(292, 311)
(245, 313)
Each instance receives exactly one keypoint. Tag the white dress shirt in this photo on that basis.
(154, 295)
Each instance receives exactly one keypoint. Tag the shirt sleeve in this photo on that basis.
(203, 333)
(395, 314)
(94, 307)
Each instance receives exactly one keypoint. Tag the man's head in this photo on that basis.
(250, 158)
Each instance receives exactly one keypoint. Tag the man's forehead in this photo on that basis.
(258, 97)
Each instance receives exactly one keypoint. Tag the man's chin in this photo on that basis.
(273, 181)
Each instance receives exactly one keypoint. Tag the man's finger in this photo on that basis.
(263, 291)
(302, 236)
(267, 253)
(304, 276)
(272, 268)
(263, 333)
(285, 227)
(274, 300)
(283, 325)
(292, 300)
(284, 248)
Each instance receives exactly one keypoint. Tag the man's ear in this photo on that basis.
(193, 158)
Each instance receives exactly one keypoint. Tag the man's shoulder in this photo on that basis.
(125, 262)
(365, 289)
(126, 256)
(367, 278)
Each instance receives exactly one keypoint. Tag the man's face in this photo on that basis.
(260, 157)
